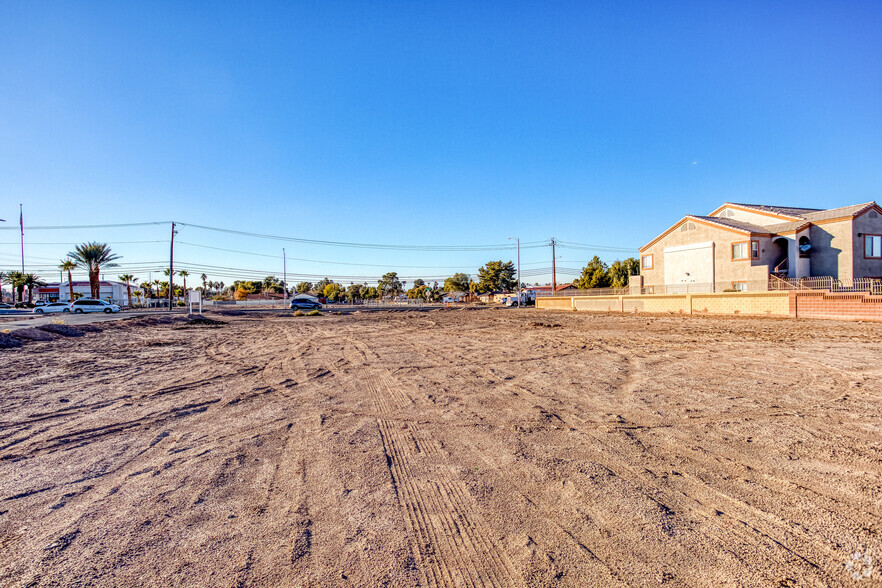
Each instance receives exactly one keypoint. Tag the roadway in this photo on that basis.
(23, 319)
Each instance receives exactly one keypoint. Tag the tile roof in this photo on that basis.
(837, 212)
(728, 222)
(785, 210)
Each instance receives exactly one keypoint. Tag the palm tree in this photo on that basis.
(2, 279)
(68, 266)
(32, 281)
(138, 294)
(170, 275)
(93, 257)
(127, 279)
(16, 280)
(184, 274)
(204, 279)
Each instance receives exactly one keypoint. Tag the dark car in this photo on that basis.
(306, 303)
(4, 305)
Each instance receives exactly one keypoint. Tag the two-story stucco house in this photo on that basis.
(738, 245)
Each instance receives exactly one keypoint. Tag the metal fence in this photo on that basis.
(774, 283)
(870, 285)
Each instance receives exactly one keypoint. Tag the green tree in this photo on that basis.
(457, 283)
(495, 275)
(369, 293)
(389, 284)
(15, 279)
(303, 287)
(594, 275)
(68, 266)
(32, 281)
(184, 274)
(333, 292)
(93, 257)
(354, 292)
(272, 284)
(127, 279)
(418, 292)
(620, 272)
(319, 286)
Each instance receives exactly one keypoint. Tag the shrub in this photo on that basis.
(299, 312)
(313, 313)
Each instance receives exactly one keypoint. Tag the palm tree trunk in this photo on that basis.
(70, 285)
(129, 292)
(94, 285)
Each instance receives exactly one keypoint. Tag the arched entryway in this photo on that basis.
(780, 248)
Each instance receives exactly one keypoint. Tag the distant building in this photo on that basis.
(738, 246)
(108, 290)
(561, 290)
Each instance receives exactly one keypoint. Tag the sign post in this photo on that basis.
(195, 296)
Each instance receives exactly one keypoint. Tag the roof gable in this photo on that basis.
(711, 221)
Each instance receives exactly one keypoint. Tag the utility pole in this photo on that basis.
(518, 289)
(284, 278)
(553, 270)
(21, 223)
(171, 269)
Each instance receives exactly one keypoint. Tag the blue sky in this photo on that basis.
(417, 123)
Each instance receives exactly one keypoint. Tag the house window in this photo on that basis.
(739, 286)
(873, 246)
(754, 249)
(646, 262)
(739, 251)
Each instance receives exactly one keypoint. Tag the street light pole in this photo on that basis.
(518, 289)
(284, 278)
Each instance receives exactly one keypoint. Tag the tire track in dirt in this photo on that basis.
(453, 541)
(698, 499)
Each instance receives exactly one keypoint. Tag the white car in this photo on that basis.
(92, 305)
(53, 307)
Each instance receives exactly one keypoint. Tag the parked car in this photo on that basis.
(298, 303)
(41, 303)
(52, 307)
(92, 305)
(4, 305)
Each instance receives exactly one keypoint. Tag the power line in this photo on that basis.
(498, 247)
(321, 260)
(65, 227)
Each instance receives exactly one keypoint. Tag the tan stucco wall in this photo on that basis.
(725, 270)
(866, 268)
(832, 249)
(745, 303)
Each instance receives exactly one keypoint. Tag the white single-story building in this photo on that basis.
(108, 290)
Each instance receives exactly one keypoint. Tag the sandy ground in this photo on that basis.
(444, 448)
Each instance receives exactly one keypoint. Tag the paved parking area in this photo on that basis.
(12, 320)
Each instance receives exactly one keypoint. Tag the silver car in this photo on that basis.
(52, 307)
(92, 305)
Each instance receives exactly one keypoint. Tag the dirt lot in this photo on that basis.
(444, 448)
